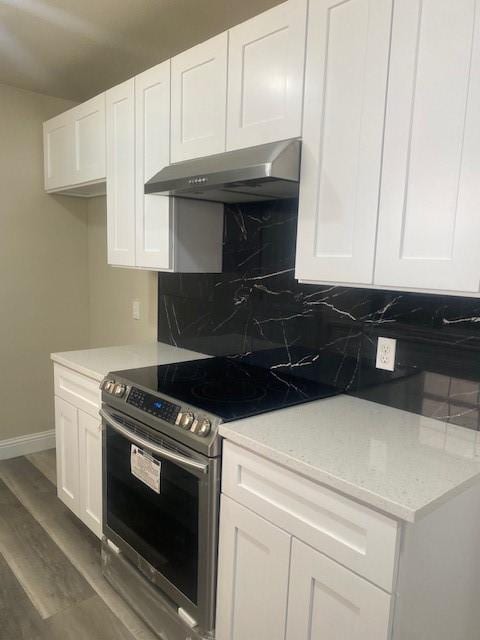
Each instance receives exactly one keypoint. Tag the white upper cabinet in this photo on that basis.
(152, 127)
(328, 602)
(152, 232)
(89, 140)
(199, 98)
(344, 104)
(57, 146)
(420, 224)
(74, 150)
(429, 224)
(121, 174)
(265, 76)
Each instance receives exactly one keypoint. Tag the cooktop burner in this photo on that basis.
(241, 391)
(229, 387)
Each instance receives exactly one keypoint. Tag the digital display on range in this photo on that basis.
(152, 404)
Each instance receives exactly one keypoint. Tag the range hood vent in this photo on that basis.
(267, 172)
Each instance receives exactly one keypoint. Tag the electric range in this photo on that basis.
(161, 467)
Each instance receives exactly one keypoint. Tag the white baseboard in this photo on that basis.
(23, 445)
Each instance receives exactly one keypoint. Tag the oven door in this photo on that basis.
(161, 509)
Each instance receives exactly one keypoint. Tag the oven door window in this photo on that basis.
(162, 527)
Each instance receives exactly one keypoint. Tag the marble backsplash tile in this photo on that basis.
(256, 303)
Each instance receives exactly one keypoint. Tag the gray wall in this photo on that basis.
(43, 267)
(111, 291)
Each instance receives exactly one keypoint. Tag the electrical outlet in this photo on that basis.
(136, 309)
(386, 348)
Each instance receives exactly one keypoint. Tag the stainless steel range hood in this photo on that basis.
(267, 172)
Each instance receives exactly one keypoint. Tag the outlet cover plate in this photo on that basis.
(386, 348)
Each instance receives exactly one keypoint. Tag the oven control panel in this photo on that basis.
(154, 405)
(200, 425)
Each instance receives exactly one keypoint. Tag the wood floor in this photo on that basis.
(51, 584)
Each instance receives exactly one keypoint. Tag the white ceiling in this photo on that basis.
(77, 48)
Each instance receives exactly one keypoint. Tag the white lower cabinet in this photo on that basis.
(253, 576)
(285, 571)
(260, 564)
(274, 585)
(79, 446)
(271, 585)
(328, 602)
(90, 471)
(66, 434)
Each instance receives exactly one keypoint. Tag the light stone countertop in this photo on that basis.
(96, 363)
(398, 462)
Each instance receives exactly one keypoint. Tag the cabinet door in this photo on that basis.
(121, 174)
(58, 151)
(328, 602)
(429, 221)
(253, 576)
(199, 98)
(90, 471)
(344, 104)
(66, 435)
(89, 140)
(152, 142)
(265, 76)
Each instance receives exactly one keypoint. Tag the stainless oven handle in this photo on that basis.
(141, 442)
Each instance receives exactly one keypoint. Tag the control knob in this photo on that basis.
(204, 427)
(109, 385)
(185, 420)
(119, 390)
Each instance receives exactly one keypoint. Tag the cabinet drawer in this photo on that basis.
(354, 535)
(84, 393)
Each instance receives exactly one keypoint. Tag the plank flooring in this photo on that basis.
(18, 617)
(51, 583)
(46, 462)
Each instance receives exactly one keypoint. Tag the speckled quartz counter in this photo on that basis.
(399, 462)
(96, 363)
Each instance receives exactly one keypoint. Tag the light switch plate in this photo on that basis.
(386, 348)
(136, 309)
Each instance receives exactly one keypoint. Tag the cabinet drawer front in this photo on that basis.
(354, 535)
(79, 390)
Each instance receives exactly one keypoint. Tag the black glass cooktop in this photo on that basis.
(229, 387)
